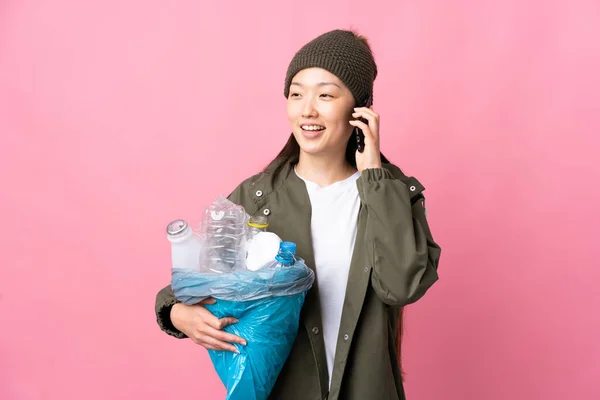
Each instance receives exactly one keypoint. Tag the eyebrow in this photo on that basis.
(319, 84)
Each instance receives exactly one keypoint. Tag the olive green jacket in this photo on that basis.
(393, 264)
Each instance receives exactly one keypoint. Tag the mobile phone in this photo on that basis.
(358, 133)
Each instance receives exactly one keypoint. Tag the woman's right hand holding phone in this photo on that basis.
(200, 325)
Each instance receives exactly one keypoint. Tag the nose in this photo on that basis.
(308, 108)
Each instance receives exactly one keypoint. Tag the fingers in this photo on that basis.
(215, 339)
(216, 344)
(365, 129)
(368, 110)
(214, 328)
(371, 116)
(221, 323)
(207, 330)
(208, 300)
(224, 336)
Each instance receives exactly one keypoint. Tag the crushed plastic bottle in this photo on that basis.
(224, 229)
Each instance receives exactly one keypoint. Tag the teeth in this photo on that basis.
(312, 128)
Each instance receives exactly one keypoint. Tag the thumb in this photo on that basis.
(208, 300)
(223, 322)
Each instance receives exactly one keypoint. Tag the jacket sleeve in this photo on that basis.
(400, 246)
(165, 299)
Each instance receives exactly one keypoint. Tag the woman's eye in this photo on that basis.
(326, 95)
(294, 94)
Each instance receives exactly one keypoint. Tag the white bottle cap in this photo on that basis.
(177, 230)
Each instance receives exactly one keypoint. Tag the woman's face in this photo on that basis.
(319, 108)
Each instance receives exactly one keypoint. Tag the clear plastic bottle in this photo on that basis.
(185, 246)
(224, 232)
(256, 224)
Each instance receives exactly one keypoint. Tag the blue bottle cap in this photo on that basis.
(288, 247)
(287, 251)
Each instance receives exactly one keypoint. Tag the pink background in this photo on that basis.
(119, 116)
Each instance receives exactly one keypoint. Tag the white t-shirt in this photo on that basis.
(333, 228)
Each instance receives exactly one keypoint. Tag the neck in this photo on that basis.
(324, 170)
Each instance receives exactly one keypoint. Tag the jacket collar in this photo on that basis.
(277, 175)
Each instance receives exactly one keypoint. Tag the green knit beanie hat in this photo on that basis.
(343, 54)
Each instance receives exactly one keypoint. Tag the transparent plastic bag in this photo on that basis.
(193, 286)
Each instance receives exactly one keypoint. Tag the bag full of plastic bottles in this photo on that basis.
(254, 277)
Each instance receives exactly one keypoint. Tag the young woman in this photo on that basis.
(357, 220)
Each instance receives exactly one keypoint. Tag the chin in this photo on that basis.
(310, 146)
(317, 146)
(311, 149)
